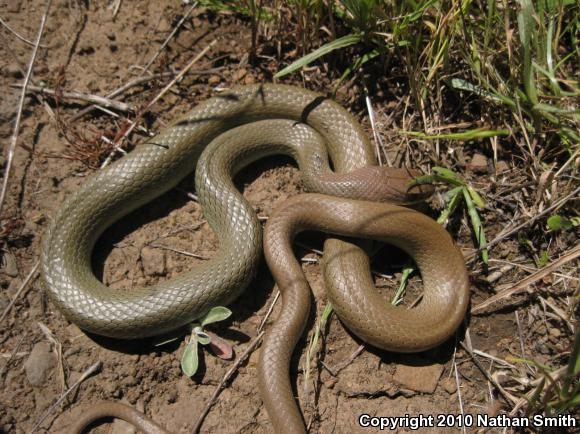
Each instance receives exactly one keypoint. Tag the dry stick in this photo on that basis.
(378, 142)
(523, 284)
(90, 371)
(12, 356)
(94, 99)
(165, 89)
(526, 223)
(486, 374)
(226, 377)
(22, 38)
(24, 285)
(137, 81)
(14, 138)
(156, 55)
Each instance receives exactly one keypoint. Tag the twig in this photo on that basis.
(526, 223)
(226, 377)
(94, 99)
(136, 82)
(90, 371)
(341, 365)
(24, 284)
(14, 138)
(166, 88)
(523, 284)
(182, 252)
(461, 407)
(269, 312)
(13, 355)
(156, 55)
(22, 38)
(58, 350)
(378, 142)
(486, 374)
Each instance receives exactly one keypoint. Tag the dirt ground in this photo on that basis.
(88, 50)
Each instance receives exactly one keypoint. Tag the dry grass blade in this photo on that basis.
(523, 284)
(94, 99)
(14, 137)
(22, 287)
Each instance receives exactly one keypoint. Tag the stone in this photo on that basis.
(449, 385)
(153, 261)
(478, 163)
(9, 265)
(39, 363)
(422, 379)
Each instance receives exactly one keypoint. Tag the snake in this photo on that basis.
(257, 121)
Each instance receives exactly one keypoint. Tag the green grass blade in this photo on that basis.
(477, 226)
(479, 133)
(527, 33)
(337, 44)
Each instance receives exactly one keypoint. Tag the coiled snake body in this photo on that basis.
(263, 120)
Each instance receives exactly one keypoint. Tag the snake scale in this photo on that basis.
(218, 138)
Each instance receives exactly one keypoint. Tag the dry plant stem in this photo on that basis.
(224, 380)
(94, 99)
(165, 89)
(378, 142)
(14, 138)
(523, 284)
(461, 407)
(486, 374)
(136, 82)
(12, 356)
(168, 39)
(22, 38)
(90, 371)
(27, 280)
(510, 232)
(182, 252)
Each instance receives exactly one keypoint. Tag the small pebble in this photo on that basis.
(39, 363)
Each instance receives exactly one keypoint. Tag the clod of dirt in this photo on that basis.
(121, 427)
(478, 164)
(9, 266)
(356, 382)
(419, 378)
(39, 363)
(502, 166)
(153, 261)
(449, 385)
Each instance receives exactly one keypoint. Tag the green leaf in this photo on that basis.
(460, 84)
(527, 32)
(202, 337)
(557, 222)
(215, 314)
(407, 271)
(477, 226)
(343, 42)
(477, 199)
(190, 358)
(543, 259)
(478, 133)
(455, 198)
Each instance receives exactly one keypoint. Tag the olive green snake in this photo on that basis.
(238, 127)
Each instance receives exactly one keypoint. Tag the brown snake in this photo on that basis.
(66, 257)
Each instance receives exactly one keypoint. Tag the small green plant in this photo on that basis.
(559, 223)
(190, 358)
(314, 342)
(461, 192)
